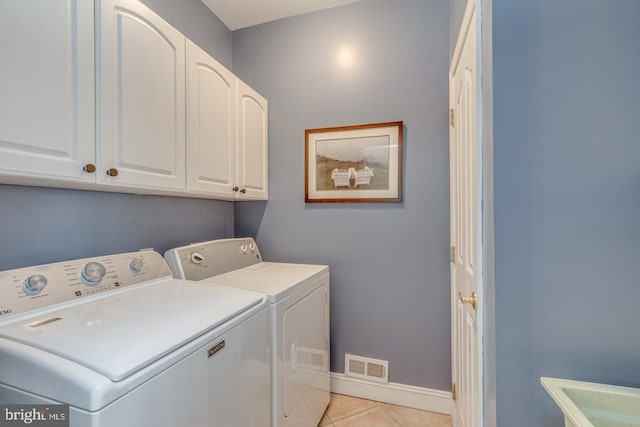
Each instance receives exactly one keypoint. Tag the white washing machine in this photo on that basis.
(298, 295)
(124, 344)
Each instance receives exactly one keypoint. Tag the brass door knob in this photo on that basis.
(89, 168)
(235, 189)
(473, 300)
(112, 172)
(244, 190)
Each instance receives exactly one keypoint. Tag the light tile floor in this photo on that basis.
(347, 411)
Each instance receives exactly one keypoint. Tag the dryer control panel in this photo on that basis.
(31, 288)
(207, 259)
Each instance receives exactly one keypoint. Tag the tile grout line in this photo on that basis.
(331, 423)
(394, 419)
(352, 415)
(389, 414)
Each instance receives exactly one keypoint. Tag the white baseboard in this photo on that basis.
(397, 394)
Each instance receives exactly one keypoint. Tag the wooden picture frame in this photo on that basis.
(354, 164)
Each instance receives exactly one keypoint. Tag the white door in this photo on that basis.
(252, 143)
(141, 98)
(46, 89)
(465, 197)
(211, 132)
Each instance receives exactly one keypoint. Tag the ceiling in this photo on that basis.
(238, 14)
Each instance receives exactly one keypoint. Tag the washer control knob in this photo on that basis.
(33, 285)
(136, 264)
(252, 247)
(92, 273)
(196, 258)
(244, 248)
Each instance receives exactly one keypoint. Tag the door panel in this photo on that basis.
(465, 187)
(252, 142)
(211, 132)
(47, 89)
(141, 82)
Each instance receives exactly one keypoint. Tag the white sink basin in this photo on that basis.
(594, 405)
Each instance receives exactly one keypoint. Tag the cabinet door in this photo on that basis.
(252, 143)
(46, 86)
(211, 133)
(141, 98)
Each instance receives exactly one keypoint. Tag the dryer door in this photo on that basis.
(306, 351)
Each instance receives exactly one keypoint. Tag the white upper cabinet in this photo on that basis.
(140, 98)
(211, 121)
(154, 115)
(252, 144)
(46, 90)
(226, 132)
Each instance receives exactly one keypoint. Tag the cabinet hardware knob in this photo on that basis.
(89, 168)
(112, 172)
(235, 189)
(244, 190)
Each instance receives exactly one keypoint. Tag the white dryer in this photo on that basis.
(123, 343)
(298, 295)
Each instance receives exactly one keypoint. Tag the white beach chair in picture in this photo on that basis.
(363, 176)
(340, 178)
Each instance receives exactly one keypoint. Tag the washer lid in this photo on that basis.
(120, 334)
(275, 280)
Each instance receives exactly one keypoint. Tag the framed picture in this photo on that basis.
(361, 163)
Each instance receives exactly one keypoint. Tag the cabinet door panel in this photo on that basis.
(46, 82)
(141, 83)
(211, 92)
(252, 142)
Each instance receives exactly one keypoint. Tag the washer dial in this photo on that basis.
(136, 264)
(33, 285)
(92, 273)
(196, 258)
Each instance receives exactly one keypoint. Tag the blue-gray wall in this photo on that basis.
(389, 262)
(567, 199)
(456, 13)
(193, 19)
(42, 225)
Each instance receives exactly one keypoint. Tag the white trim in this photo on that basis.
(488, 241)
(410, 396)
